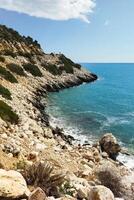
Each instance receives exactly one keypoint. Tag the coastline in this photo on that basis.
(126, 157)
(29, 142)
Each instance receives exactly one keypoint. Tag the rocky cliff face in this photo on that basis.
(26, 72)
(26, 75)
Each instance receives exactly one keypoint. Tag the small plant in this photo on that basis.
(21, 165)
(32, 69)
(40, 174)
(110, 177)
(67, 189)
(7, 75)
(16, 69)
(2, 59)
(7, 114)
(4, 92)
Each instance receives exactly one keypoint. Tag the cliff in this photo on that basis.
(26, 72)
(28, 144)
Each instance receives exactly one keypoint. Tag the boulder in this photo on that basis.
(100, 193)
(37, 194)
(12, 185)
(109, 144)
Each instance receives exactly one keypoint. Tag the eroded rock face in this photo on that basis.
(12, 185)
(100, 193)
(110, 145)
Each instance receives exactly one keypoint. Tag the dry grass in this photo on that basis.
(41, 174)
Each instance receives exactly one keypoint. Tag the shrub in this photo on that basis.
(32, 69)
(40, 175)
(67, 189)
(7, 75)
(16, 69)
(5, 92)
(78, 66)
(68, 64)
(7, 114)
(53, 69)
(2, 59)
(110, 177)
(10, 53)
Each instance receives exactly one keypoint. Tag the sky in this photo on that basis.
(84, 30)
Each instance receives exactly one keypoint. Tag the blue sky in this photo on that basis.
(109, 37)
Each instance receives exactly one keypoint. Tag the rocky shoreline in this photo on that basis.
(37, 161)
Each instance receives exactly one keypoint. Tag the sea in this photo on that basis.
(105, 106)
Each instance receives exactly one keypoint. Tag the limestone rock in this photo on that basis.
(83, 192)
(37, 194)
(104, 155)
(12, 185)
(11, 148)
(110, 145)
(100, 193)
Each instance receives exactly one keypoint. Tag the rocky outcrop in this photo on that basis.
(110, 145)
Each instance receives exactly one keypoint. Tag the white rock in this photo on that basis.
(12, 184)
(100, 193)
(4, 136)
(40, 147)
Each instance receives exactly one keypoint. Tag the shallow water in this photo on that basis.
(106, 105)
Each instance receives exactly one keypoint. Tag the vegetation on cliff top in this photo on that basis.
(7, 114)
(11, 35)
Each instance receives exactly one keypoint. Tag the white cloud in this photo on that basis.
(52, 9)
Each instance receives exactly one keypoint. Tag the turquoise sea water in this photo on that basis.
(107, 105)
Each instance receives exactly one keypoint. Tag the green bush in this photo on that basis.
(68, 64)
(16, 69)
(7, 114)
(4, 73)
(2, 59)
(4, 92)
(78, 66)
(7, 75)
(32, 69)
(53, 69)
(10, 53)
